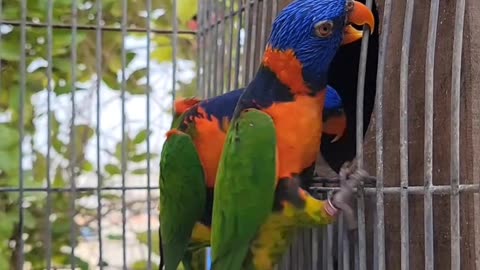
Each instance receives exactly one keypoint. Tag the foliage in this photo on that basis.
(68, 157)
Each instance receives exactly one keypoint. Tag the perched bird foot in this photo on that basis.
(350, 177)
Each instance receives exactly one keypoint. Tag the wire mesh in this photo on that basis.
(83, 119)
(332, 247)
(78, 174)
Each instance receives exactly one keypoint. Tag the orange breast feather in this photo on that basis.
(209, 140)
(299, 131)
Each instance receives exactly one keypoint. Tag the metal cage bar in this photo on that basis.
(98, 82)
(404, 230)
(455, 135)
(429, 80)
(21, 128)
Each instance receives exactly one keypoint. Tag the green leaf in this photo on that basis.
(11, 12)
(62, 39)
(111, 80)
(58, 145)
(64, 260)
(163, 51)
(9, 51)
(114, 236)
(130, 57)
(87, 166)
(4, 262)
(112, 169)
(9, 137)
(9, 160)
(139, 157)
(58, 181)
(141, 265)
(29, 220)
(186, 9)
(141, 136)
(142, 171)
(131, 148)
(39, 167)
(132, 83)
(8, 223)
(143, 238)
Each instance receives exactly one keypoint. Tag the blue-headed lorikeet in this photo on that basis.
(334, 124)
(289, 98)
(274, 137)
(343, 74)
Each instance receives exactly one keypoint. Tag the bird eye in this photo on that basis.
(349, 5)
(324, 29)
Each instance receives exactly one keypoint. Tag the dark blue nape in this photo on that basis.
(222, 106)
(332, 99)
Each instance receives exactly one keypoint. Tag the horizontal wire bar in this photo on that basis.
(78, 189)
(95, 27)
(230, 15)
(414, 190)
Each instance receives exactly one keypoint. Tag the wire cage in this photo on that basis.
(86, 93)
(415, 76)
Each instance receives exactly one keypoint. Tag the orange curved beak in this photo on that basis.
(359, 15)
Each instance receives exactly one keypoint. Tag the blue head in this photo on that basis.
(333, 101)
(314, 30)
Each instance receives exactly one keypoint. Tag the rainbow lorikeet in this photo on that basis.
(334, 123)
(343, 74)
(285, 105)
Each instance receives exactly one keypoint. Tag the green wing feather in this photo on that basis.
(182, 196)
(245, 188)
(195, 260)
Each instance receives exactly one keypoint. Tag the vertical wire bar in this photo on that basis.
(208, 58)
(404, 63)
(174, 53)
(221, 71)
(73, 159)
(382, 54)
(237, 52)
(324, 233)
(246, 44)
(428, 149)
(455, 135)
(346, 253)
(361, 91)
(274, 10)
(124, 135)
(201, 39)
(48, 227)
(340, 246)
(21, 128)
(147, 90)
(314, 247)
(263, 31)
(98, 70)
(330, 247)
(216, 25)
(253, 42)
(359, 150)
(230, 45)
